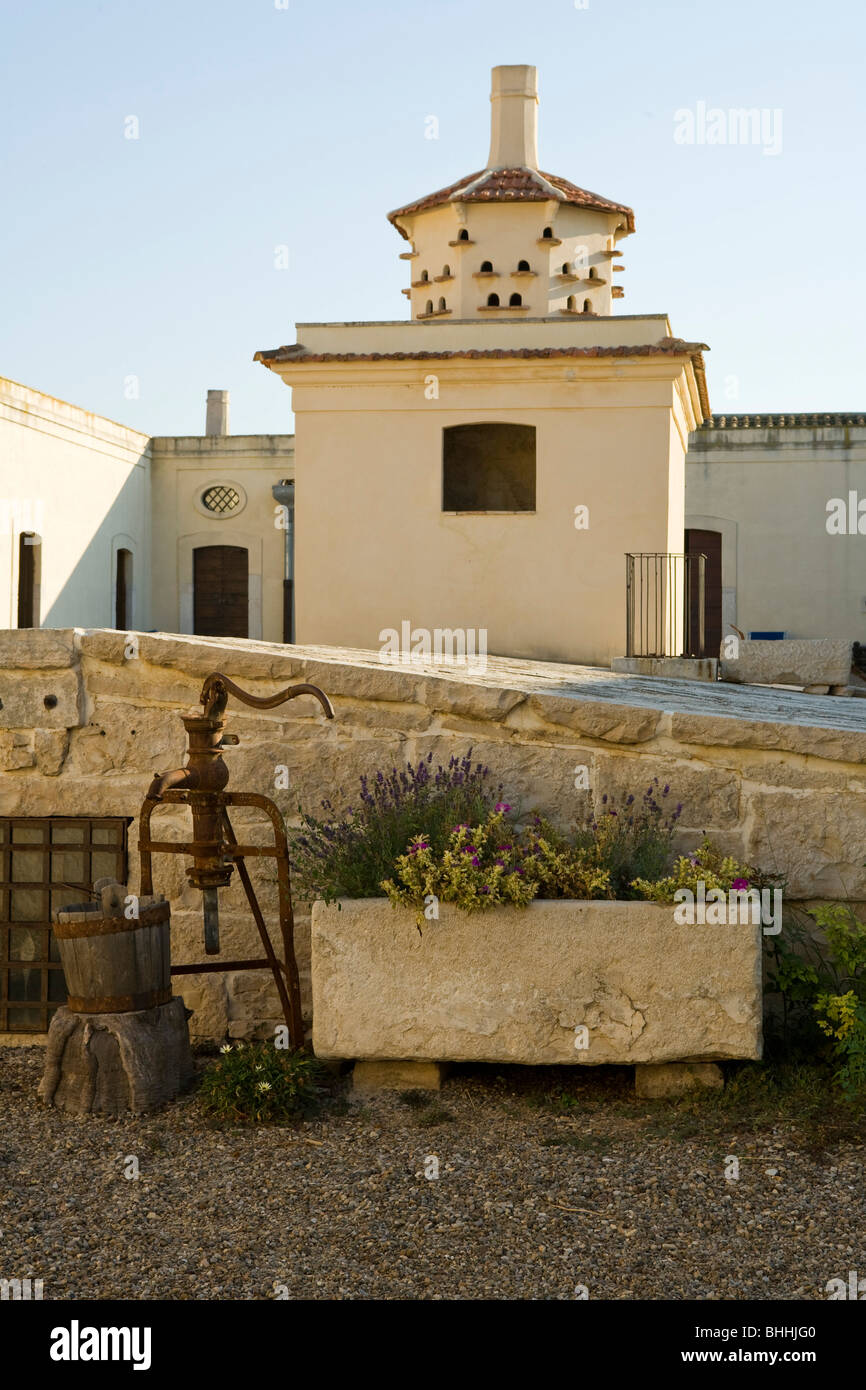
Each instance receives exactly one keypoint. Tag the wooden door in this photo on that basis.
(221, 591)
(707, 543)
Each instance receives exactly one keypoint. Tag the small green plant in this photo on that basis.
(842, 1017)
(706, 865)
(632, 838)
(488, 865)
(254, 1083)
(823, 988)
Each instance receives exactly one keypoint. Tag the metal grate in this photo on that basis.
(665, 604)
(221, 499)
(45, 865)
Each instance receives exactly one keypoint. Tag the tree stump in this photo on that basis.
(121, 1042)
(109, 1064)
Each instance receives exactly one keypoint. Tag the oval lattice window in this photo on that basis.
(221, 499)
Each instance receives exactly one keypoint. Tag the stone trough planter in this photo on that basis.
(512, 985)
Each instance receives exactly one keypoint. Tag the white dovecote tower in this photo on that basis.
(511, 241)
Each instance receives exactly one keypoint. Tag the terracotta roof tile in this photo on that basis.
(513, 185)
(666, 347)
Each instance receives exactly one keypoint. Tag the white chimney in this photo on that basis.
(514, 118)
(217, 418)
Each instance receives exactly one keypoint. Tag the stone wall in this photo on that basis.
(88, 717)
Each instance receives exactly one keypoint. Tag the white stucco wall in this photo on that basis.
(766, 490)
(82, 482)
(183, 468)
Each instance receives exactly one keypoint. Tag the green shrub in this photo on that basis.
(707, 865)
(347, 855)
(823, 989)
(631, 839)
(254, 1083)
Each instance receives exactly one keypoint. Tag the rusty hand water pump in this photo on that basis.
(214, 848)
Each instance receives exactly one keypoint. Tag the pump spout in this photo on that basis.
(168, 781)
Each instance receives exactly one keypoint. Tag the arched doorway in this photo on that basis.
(221, 591)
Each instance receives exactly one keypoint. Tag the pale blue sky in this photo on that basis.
(303, 126)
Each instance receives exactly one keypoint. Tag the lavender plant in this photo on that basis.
(348, 854)
(632, 839)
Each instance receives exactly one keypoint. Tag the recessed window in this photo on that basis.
(493, 301)
(463, 234)
(442, 306)
(566, 269)
(221, 499)
(488, 467)
(429, 307)
(29, 578)
(46, 865)
(593, 273)
(587, 306)
(446, 270)
(523, 265)
(547, 233)
(516, 301)
(486, 267)
(123, 590)
(570, 304)
(425, 276)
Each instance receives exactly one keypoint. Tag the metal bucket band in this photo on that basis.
(109, 926)
(119, 1003)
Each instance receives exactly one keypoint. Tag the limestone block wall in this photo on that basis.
(777, 779)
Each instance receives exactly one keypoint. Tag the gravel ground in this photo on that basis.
(535, 1196)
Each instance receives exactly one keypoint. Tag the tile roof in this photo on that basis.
(831, 420)
(512, 185)
(666, 347)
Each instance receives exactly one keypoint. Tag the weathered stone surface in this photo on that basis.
(798, 661)
(535, 724)
(710, 796)
(50, 747)
(36, 648)
(817, 740)
(613, 723)
(685, 668)
(16, 751)
(676, 1078)
(541, 777)
(207, 997)
(474, 701)
(514, 986)
(397, 1076)
(816, 839)
(43, 699)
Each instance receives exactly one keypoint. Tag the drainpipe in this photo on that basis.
(283, 492)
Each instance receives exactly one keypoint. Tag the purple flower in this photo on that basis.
(502, 806)
(740, 883)
(475, 860)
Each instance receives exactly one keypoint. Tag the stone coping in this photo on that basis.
(592, 701)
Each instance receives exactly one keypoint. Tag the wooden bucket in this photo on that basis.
(114, 964)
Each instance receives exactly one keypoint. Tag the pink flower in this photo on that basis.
(740, 883)
(502, 806)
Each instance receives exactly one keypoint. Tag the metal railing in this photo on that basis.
(665, 604)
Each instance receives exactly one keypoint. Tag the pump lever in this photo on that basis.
(217, 688)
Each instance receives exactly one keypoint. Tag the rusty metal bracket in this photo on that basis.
(214, 847)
